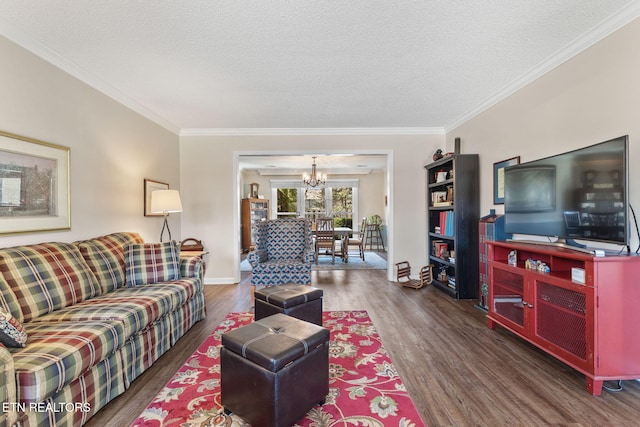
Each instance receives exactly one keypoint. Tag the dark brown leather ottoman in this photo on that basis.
(274, 370)
(300, 301)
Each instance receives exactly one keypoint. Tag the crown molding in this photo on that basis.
(612, 24)
(311, 131)
(73, 69)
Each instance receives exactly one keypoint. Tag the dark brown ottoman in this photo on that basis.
(300, 301)
(273, 371)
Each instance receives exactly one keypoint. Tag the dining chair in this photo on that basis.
(325, 238)
(359, 240)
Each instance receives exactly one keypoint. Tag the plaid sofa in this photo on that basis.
(284, 252)
(96, 313)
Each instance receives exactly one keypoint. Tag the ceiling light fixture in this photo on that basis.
(314, 179)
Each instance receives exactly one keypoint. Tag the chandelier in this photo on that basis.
(314, 179)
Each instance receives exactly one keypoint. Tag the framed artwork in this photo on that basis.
(34, 185)
(149, 187)
(498, 178)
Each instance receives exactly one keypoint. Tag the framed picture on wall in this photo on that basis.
(34, 185)
(498, 178)
(149, 187)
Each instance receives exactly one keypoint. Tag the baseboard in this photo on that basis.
(219, 281)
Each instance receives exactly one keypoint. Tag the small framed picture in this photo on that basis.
(498, 178)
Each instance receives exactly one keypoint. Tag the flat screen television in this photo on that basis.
(581, 194)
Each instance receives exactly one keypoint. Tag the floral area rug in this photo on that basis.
(364, 387)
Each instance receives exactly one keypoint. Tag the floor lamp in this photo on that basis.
(165, 202)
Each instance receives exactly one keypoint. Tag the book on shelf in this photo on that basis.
(446, 223)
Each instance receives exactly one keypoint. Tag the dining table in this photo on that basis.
(343, 233)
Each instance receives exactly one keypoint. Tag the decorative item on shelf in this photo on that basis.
(439, 198)
(513, 258)
(253, 190)
(441, 175)
(437, 155)
(577, 275)
(532, 264)
(442, 276)
(315, 179)
(542, 267)
(441, 250)
(165, 202)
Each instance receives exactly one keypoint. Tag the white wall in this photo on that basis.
(211, 188)
(112, 148)
(593, 97)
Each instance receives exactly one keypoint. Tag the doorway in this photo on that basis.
(284, 171)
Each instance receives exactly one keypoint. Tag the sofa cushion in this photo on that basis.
(105, 257)
(12, 332)
(46, 277)
(58, 353)
(148, 263)
(136, 308)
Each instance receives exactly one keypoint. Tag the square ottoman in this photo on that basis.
(300, 301)
(274, 370)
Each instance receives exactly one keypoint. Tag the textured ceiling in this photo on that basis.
(204, 65)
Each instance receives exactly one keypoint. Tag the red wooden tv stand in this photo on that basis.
(592, 327)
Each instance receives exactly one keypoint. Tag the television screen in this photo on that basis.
(581, 194)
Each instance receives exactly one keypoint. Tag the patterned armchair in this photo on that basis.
(284, 252)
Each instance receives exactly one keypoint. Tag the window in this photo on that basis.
(315, 205)
(338, 198)
(342, 206)
(287, 199)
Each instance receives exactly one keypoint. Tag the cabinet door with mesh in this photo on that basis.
(564, 320)
(507, 296)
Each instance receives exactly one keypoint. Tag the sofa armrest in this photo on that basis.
(192, 267)
(257, 256)
(8, 393)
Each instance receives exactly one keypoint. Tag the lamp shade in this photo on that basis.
(165, 201)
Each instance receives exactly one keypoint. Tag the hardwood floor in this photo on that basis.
(458, 372)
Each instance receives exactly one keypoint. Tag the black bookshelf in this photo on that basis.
(453, 204)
